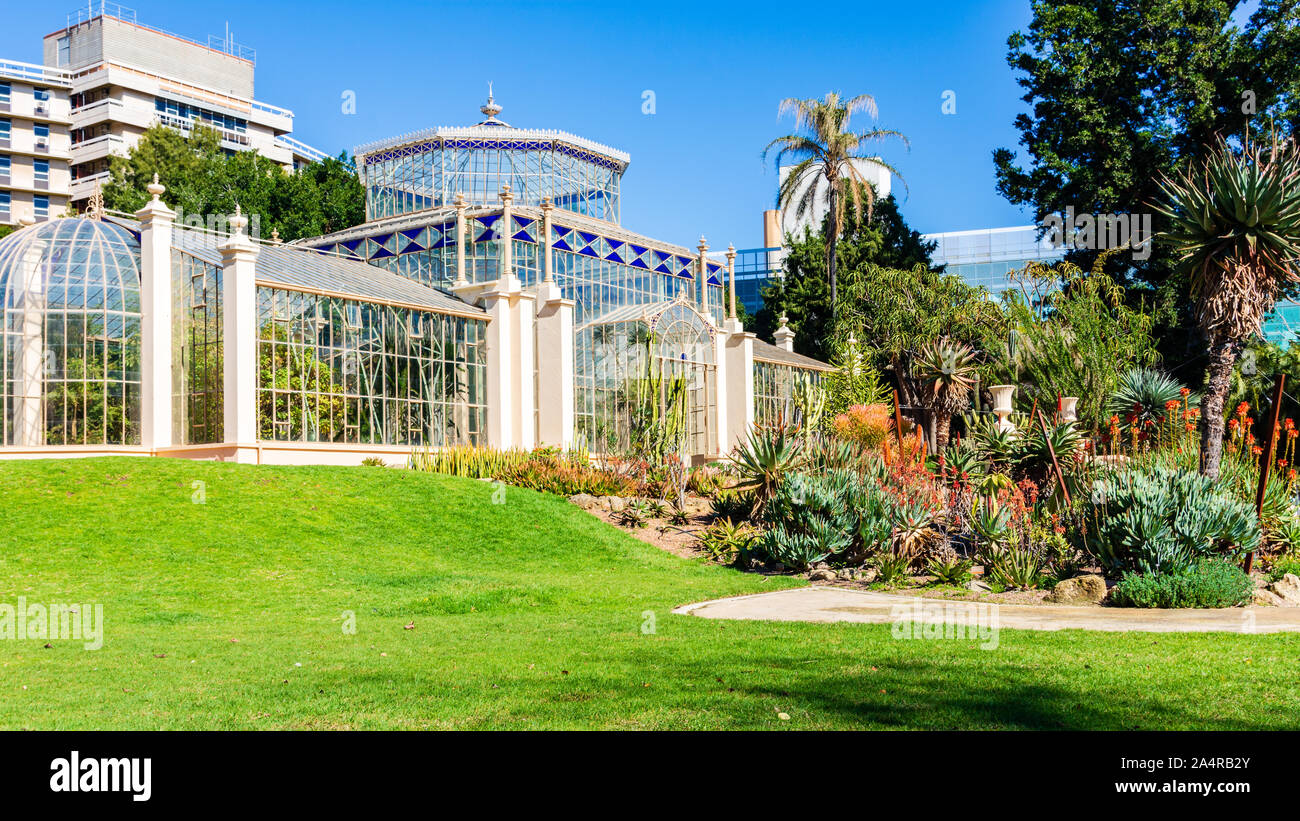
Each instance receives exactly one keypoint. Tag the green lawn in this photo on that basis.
(526, 614)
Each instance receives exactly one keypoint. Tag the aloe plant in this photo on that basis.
(1234, 217)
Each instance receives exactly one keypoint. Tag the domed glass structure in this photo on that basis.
(427, 169)
(70, 360)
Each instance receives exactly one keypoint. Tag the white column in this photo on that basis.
(239, 339)
(740, 387)
(722, 377)
(525, 389)
(460, 240)
(731, 279)
(784, 337)
(555, 377)
(500, 364)
(29, 415)
(702, 264)
(548, 256)
(156, 320)
(506, 233)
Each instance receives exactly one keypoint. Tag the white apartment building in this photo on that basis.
(34, 142)
(124, 77)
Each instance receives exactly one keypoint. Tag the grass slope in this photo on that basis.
(526, 614)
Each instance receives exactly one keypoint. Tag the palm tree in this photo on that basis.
(829, 149)
(1235, 220)
(946, 370)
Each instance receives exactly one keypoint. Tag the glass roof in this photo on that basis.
(77, 264)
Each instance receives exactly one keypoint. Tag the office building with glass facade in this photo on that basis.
(455, 315)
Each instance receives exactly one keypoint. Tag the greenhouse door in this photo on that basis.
(701, 403)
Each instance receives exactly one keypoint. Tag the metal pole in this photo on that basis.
(1056, 466)
(1267, 465)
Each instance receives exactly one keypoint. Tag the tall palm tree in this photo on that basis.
(829, 148)
(946, 370)
(1235, 219)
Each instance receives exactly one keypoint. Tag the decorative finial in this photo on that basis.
(784, 319)
(704, 244)
(156, 188)
(275, 235)
(238, 222)
(460, 201)
(95, 207)
(490, 109)
(731, 250)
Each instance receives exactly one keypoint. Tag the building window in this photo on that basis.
(5, 93)
(64, 45)
(41, 204)
(5, 165)
(42, 131)
(4, 129)
(4, 205)
(42, 95)
(41, 171)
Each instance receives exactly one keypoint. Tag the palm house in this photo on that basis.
(491, 298)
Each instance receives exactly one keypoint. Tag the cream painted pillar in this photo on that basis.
(703, 266)
(555, 376)
(506, 233)
(722, 411)
(523, 341)
(784, 337)
(29, 413)
(731, 280)
(239, 338)
(460, 240)
(500, 362)
(740, 387)
(156, 320)
(548, 257)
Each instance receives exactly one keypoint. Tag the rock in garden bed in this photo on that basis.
(1081, 590)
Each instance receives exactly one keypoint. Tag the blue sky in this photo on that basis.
(718, 71)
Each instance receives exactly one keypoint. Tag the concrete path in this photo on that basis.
(836, 604)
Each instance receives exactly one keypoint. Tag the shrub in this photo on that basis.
(764, 459)
(952, 570)
(1014, 565)
(704, 481)
(891, 567)
(727, 542)
(1284, 565)
(1160, 520)
(373, 462)
(635, 514)
(736, 505)
(1207, 583)
(810, 518)
(564, 478)
(866, 426)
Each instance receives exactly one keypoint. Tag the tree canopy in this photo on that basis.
(204, 180)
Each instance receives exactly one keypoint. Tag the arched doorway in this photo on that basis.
(647, 362)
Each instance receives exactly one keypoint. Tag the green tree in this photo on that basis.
(1075, 335)
(1235, 223)
(829, 149)
(803, 294)
(203, 179)
(894, 330)
(1120, 92)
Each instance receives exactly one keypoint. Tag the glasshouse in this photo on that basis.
(454, 315)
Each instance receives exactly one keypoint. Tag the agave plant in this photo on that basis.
(1144, 393)
(764, 459)
(1235, 220)
(946, 370)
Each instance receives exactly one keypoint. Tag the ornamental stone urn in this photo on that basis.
(1069, 409)
(1002, 405)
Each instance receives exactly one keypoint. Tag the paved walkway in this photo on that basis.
(836, 604)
